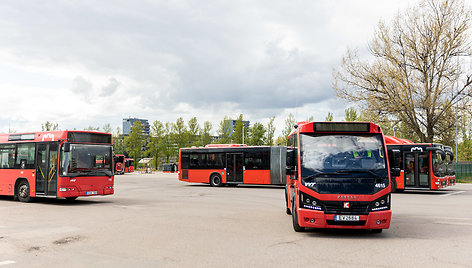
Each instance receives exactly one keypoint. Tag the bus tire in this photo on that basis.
(71, 198)
(296, 226)
(215, 180)
(23, 191)
(376, 231)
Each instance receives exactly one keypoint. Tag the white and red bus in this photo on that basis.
(58, 164)
(233, 164)
(119, 161)
(129, 165)
(339, 176)
(424, 166)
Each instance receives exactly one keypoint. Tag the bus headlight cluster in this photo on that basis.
(66, 189)
(382, 203)
(309, 202)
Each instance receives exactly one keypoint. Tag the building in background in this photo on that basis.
(232, 125)
(128, 123)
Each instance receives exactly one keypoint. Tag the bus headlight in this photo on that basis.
(382, 203)
(309, 202)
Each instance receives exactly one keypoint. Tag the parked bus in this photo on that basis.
(59, 164)
(170, 168)
(339, 176)
(119, 161)
(233, 165)
(450, 166)
(129, 165)
(423, 165)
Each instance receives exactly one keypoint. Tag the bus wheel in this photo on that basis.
(23, 191)
(376, 231)
(71, 198)
(215, 180)
(296, 226)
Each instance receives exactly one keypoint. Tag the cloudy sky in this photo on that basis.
(89, 63)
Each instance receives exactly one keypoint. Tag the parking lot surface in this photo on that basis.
(154, 220)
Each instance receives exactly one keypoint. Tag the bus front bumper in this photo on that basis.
(318, 219)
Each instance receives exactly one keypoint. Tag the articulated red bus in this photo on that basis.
(233, 165)
(129, 165)
(119, 161)
(339, 176)
(423, 165)
(59, 164)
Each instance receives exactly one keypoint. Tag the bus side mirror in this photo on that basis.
(443, 155)
(66, 147)
(290, 162)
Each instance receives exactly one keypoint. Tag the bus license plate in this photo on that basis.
(346, 217)
(91, 193)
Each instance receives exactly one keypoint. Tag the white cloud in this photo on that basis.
(90, 63)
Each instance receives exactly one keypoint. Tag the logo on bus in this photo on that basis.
(48, 136)
(416, 149)
(346, 204)
(347, 197)
(310, 184)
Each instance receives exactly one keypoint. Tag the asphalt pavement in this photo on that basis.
(154, 220)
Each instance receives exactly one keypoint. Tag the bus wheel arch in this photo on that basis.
(216, 180)
(22, 190)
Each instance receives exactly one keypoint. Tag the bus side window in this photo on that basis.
(7, 155)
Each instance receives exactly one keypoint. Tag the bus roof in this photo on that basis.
(337, 127)
(390, 140)
(56, 135)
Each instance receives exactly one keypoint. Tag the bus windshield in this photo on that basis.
(343, 163)
(87, 160)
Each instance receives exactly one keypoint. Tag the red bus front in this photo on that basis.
(85, 170)
(341, 177)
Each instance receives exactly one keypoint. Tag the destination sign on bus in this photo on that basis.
(342, 127)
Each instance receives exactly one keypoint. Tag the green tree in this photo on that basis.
(49, 126)
(270, 132)
(350, 115)
(181, 134)
(193, 132)
(290, 123)
(135, 141)
(169, 148)
(157, 144)
(417, 73)
(256, 134)
(237, 136)
(329, 117)
(118, 142)
(205, 135)
(224, 130)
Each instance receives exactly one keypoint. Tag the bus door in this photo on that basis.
(417, 170)
(46, 169)
(234, 167)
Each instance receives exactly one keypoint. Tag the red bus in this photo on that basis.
(233, 165)
(423, 165)
(339, 176)
(59, 164)
(129, 165)
(119, 161)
